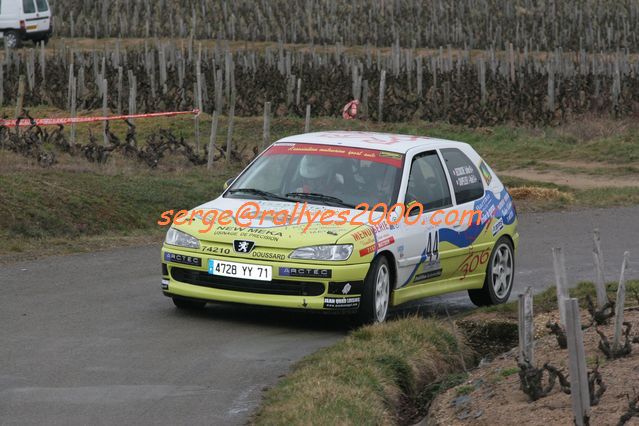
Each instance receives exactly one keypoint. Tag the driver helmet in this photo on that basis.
(314, 167)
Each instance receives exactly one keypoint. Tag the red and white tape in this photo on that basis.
(25, 122)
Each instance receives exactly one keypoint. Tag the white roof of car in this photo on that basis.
(371, 140)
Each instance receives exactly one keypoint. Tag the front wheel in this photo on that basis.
(376, 293)
(500, 275)
(12, 39)
(188, 304)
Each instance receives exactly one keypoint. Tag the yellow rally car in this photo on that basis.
(272, 250)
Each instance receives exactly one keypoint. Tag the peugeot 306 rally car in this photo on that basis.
(363, 266)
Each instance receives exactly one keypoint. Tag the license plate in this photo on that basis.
(240, 270)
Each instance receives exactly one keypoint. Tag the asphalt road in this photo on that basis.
(89, 339)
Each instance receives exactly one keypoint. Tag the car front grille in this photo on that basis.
(282, 287)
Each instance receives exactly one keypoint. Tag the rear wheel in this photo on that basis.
(376, 293)
(44, 39)
(12, 39)
(500, 275)
(190, 304)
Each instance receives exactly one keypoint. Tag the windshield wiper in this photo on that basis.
(264, 194)
(322, 197)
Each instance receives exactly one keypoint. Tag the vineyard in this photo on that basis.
(593, 25)
(455, 86)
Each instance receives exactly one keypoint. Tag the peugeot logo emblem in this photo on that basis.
(243, 246)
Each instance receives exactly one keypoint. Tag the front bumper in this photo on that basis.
(339, 292)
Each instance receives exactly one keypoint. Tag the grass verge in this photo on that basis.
(55, 208)
(377, 375)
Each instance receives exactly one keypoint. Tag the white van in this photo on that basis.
(24, 20)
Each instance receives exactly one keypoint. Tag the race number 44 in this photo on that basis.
(432, 246)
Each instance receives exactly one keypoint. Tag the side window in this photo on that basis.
(28, 6)
(427, 183)
(465, 176)
(42, 5)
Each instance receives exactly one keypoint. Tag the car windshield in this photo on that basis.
(322, 174)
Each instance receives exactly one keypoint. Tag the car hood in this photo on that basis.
(268, 230)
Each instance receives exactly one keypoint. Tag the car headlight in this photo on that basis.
(331, 252)
(181, 239)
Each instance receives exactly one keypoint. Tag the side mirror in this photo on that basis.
(228, 183)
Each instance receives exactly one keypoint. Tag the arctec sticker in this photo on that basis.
(341, 302)
(306, 272)
(180, 258)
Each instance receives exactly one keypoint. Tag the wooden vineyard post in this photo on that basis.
(120, 77)
(74, 89)
(229, 135)
(196, 119)
(559, 264)
(1, 84)
(382, 89)
(307, 122)
(482, 81)
(20, 97)
(526, 328)
(266, 132)
(132, 94)
(579, 392)
(214, 123)
(364, 99)
(104, 109)
(600, 284)
(619, 304)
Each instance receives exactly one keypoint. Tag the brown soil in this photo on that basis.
(588, 165)
(492, 396)
(573, 180)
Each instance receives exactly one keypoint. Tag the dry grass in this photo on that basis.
(371, 377)
(535, 193)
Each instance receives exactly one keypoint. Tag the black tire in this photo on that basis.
(12, 40)
(369, 310)
(188, 304)
(496, 290)
(45, 39)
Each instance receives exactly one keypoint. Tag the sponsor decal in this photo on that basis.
(215, 250)
(498, 226)
(180, 258)
(346, 287)
(243, 246)
(305, 272)
(268, 255)
(373, 248)
(363, 234)
(337, 151)
(428, 275)
(165, 284)
(465, 175)
(341, 302)
(238, 231)
(390, 154)
(485, 172)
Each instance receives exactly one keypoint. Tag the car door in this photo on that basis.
(468, 191)
(29, 15)
(425, 259)
(43, 14)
